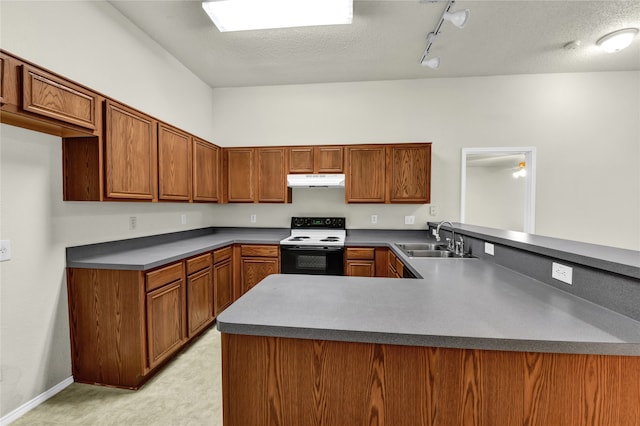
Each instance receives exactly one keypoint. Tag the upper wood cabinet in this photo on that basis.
(130, 153)
(174, 164)
(272, 175)
(206, 171)
(53, 97)
(256, 175)
(409, 173)
(240, 174)
(366, 176)
(316, 159)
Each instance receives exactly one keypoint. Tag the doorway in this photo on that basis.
(497, 187)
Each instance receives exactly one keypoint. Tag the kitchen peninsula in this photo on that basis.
(469, 341)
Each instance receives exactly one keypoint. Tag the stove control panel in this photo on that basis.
(317, 223)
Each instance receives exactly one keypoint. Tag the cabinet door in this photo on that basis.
(301, 159)
(199, 301)
(272, 175)
(360, 268)
(365, 174)
(174, 164)
(410, 173)
(255, 270)
(223, 286)
(240, 174)
(206, 170)
(130, 148)
(165, 321)
(328, 159)
(53, 97)
(4, 66)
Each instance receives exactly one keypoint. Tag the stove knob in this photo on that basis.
(298, 221)
(327, 221)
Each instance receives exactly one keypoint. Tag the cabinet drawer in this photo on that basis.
(260, 251)
(56, 98)
(164, 276)
(360, 253)
(196, 264)
(222, 254)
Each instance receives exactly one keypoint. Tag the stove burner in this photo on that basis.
(300, 238)
(330, 239)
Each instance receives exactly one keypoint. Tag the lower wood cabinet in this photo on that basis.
(222, 279)
(257, 262)
(395, 266)
(365, 261)
(125, 324)
(199, 293)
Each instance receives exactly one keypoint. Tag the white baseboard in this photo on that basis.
(30, 405)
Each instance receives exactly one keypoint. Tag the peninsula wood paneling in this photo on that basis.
(270, 380)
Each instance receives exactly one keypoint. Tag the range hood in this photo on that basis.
(314, 181)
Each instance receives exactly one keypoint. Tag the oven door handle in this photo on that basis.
(312, 248)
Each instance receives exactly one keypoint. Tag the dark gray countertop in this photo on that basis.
(612, 259)
(459, 303)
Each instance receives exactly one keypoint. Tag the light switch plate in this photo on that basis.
(5, 250)
(253, 218)
(409, 220)
(183, 219)
(433, 211)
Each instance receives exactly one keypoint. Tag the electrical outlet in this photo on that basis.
(183, 219)
(253, 218)
(409, 220)
(562, 273)
(374, 218)
(433, 211)
(5, 250)
(488, 248)
(133, 222)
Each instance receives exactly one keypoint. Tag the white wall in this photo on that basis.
(91, 43)
(585, 128)
(494, 198)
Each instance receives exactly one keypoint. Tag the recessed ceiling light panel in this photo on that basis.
(242, 15)
(617, 40)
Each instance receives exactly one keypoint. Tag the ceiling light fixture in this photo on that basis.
(242, 15)
(617, 40)
(459, 19)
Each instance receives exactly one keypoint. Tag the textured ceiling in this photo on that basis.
(387, 39)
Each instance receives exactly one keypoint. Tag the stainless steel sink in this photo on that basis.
(421, 246)
(427, 250)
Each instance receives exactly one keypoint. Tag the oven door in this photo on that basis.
(311, 260)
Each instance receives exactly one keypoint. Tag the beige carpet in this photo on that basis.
(187, 391)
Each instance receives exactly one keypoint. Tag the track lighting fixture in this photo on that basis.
(459, 19)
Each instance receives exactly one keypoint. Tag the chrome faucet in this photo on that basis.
(450, 242)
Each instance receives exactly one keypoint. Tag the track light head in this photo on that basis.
(433, 63)
(459, 18)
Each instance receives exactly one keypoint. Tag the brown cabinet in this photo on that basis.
(257, 262)
(53, 97)
(395, 266)
(240, 175)
(206, 171)
(165, 303)
(365, 261)
(174, 164)
(256, 175)
(409, 173)
(399, 173)
(272, 176)
(199, 294)
(4, 66)
(360, 262)
(365, 174)
(130, 154)
(222, 279)
(316, 159)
